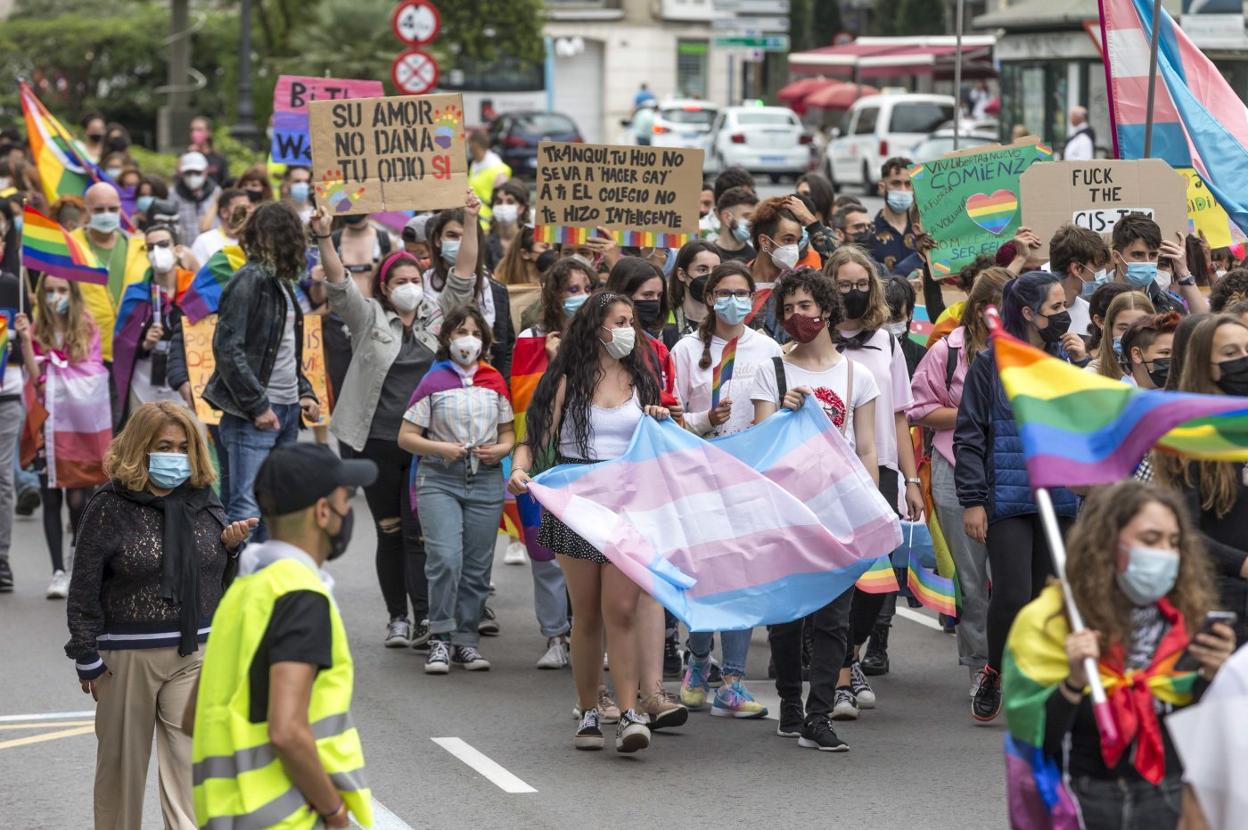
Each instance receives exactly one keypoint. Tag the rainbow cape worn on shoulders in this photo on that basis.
(133, 315)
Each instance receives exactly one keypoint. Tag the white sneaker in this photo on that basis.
(556, 656)
(58, 588)
(516, 553)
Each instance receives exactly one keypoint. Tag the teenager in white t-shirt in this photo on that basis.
(807, 306)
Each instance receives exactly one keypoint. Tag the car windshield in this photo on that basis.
(544, 123)
(700, 117)
(765, 119)
(919, 117)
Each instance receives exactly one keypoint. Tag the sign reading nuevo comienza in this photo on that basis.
(968, 201)
(395, 153)
(291, 143)
(640, 195)
(1096, 194)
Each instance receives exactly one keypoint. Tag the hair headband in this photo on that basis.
(393, 261)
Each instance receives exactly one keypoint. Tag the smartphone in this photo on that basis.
(1188, 661)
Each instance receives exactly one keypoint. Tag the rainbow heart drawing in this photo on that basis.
(992, 211)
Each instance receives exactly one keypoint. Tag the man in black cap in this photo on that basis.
(298, 673)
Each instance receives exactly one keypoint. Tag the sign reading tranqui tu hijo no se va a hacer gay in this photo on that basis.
(395, 153)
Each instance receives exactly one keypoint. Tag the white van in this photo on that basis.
(878, 127)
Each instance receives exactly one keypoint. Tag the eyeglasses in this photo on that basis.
(742, 294)
(846, 287)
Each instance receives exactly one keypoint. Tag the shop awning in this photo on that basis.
(882, 57)
(795, 91)
(838, 96)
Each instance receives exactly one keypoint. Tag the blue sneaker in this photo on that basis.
(694, 688)
(734, 701)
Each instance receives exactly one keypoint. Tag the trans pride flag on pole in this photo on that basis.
(1198, 120)
(760, 527)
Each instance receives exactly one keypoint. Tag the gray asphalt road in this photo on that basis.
(916, 761)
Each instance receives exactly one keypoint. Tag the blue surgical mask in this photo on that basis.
(741, 230)
(574, 302)
(1141, 274)
(59, 303)
(1117, 344)
(299, 192)
(450, 251)
(899, 201)
(803, 244)
(1089, 288)
(733, 310)
(168, 469)
(1150, 574)
(105, 222)
(143, 203)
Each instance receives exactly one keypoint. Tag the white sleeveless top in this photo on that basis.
(610, 431)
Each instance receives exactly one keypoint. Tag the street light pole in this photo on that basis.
(244, 128)
(957, 78)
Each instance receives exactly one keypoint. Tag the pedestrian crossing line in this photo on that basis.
(49, 736)
(489, 769)
(921, 619)
(383, 819)
(45, 724)
(89, 713)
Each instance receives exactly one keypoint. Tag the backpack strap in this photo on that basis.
(951, 365)
(849, 396)
(782, 386)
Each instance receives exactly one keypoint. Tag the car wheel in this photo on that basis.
(775, 177)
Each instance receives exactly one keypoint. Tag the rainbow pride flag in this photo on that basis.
(522, 516)
(62, 170)
(203, 295)
(723, 371)
(879, 578)
(6, 318)
(49, 248)
(1079, 428)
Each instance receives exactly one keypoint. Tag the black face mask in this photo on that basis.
(546, 259)
(338, 542)
(1058, 325)
(1160, 372)
(254, 196)
(1234, 380)
(647, 312)
(697, 288)
(855, 303)
(863, 239)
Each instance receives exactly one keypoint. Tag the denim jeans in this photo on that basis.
(247, 447)
(971, 560)
(1116, 804)
(223, 462)
(12, 418)
(735, 645)
(459, 512)
(550, 598)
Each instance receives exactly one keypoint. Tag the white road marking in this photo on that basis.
(383, 819)
(90, 713)
(491, 770)
(921, 619)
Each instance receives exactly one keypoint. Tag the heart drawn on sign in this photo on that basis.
(992, 211)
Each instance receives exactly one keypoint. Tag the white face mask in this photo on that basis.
(506, 214)
(161, 259)
(622, 341)
(194, 181)
(1221, 273)
(407, 296)
(1163, 280)
(897, 329)
(465, 350)
(786, 256)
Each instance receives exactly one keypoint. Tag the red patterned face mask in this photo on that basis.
(804, 329)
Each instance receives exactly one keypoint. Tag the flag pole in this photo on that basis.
(1100, 704)
(1152, 78)
(957, 78)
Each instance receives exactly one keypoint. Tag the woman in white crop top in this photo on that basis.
(593, 395)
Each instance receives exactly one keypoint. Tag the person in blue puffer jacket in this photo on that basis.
(991, 474)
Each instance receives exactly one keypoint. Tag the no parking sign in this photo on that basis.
(414, 72)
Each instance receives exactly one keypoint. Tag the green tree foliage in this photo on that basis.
(923, 17)
(886, 17)
(490, 31)
(825, 21)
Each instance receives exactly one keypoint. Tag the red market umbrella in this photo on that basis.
(795, 91)
(837, 97)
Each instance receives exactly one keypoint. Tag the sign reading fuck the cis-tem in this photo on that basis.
(395, 153)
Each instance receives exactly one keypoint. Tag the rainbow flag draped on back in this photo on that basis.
(1079, 428)
(73, 422)
(133, 315)
(62, 170)
(760, 527)
(522, 515)
(1035, 663)
(49, 248)
(203, 296)
(1198, 119)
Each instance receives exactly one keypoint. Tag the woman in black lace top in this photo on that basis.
(149, 569)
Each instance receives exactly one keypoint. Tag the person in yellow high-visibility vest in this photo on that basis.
(272, 736)
(124, 256)
(486, 171)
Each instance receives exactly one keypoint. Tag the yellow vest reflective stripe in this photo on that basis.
(239, 782)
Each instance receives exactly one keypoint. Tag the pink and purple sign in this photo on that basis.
(291, 141)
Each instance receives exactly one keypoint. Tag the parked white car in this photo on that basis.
(683, 124)
(767, 140)
(878, 127)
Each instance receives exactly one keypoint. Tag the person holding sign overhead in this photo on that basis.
(1146, 262)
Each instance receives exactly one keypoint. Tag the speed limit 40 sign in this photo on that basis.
(416, 22)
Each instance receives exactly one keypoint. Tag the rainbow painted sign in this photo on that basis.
(969, 201)
(291, 142)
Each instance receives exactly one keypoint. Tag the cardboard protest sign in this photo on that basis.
(291, 143)
(968, 201)
(1205, 215)
(643, 195)
(378, 154)
(1096, 194)
(200, 364)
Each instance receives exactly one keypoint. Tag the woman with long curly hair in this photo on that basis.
(1140, 577)
(585, 409)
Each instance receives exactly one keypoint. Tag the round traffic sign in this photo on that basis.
(414, 72)
(416, 22)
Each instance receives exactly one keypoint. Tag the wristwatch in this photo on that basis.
(917, 482)
(1188, 280)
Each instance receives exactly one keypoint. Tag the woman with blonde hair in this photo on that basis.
(150, 571)
(1123, 310)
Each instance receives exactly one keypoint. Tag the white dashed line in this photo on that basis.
(921, 619)
(90, 713)
(490, 769)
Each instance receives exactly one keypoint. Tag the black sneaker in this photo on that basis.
(875, 661)
(467, 657)
(672, 664)
(986, 704)
(6, 577)
(817, 733)
(792, 717)
(488, 625)
(589, 732)
(714, 677)
(632, 732)
(421, 635)
(28, 501)
(439, 659)
(844, 705)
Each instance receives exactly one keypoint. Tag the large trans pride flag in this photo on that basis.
(757, 528)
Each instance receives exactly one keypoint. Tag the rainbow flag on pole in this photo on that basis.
(1080, 429)
(522, 516)
(723, 371)
(879, 578)
(6, 317)
(62, 170)
(49, 248)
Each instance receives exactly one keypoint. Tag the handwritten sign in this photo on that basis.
(291, 142)
(643, 195)
(1096, 194)
(1205, 215)
(377, 154)
(200, 364)
(968, 201)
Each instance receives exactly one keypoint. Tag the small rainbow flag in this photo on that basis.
(723, 371)
(573, 235)
(49, 248)
(880, 578)
(6, 315)
(931, 589)
(203, 296)
(62, 171)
